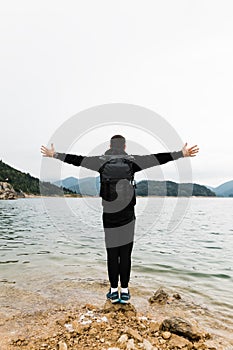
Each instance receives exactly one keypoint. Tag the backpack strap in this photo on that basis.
(129, 160)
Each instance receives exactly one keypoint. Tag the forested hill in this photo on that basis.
(170, 188)
(26, 183)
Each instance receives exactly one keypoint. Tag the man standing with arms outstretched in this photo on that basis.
(117, 191)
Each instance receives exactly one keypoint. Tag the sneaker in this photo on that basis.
(113, 297)
(124, 298)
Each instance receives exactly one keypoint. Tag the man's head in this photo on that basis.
(117, 142)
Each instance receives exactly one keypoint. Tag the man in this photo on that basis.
(117, 190)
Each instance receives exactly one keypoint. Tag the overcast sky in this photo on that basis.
(173, 57)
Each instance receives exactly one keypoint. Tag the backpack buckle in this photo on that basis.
(133, 182)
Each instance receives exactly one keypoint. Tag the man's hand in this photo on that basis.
(46, 152)
(190, 152)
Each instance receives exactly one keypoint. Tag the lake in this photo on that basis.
(184, 244)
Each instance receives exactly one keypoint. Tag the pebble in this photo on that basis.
(179, 342)
(130, 345)
(103, 319)
(211, 345)
(154, 326)
(162, 341)
(177, 296)
(166, 335)
(143, 318)
(147, 344)
(123, 339)
(69, 327)
(89, 307)
(62, 345)
(93, 331)
(134, 334)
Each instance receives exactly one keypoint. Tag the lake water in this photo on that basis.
(44, 241)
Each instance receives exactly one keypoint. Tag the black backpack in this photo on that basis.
(117, 177)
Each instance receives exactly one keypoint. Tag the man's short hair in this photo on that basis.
(117, 141)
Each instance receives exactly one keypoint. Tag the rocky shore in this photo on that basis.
(110, 327)
(7, 191)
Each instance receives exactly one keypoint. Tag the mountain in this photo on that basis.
(24, 182)
(88, 186)
(225, 189)
(68, 182)
(91, 185)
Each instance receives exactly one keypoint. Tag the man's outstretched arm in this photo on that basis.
(67, 158)
(150, 160)
(92, 163)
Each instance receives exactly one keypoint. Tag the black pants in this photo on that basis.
(119, 237)
(119, 264)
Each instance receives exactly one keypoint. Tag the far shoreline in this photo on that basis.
(86, 196)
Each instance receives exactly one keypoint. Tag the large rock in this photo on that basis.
(159, 297)
(180, 327)
(177, 342)
(162, 297)
(127, 309)
(7, 191)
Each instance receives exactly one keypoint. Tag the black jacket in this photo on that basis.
(125, 215)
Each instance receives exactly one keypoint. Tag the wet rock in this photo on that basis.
(180, 327)
(177, 296)
(159, 297)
